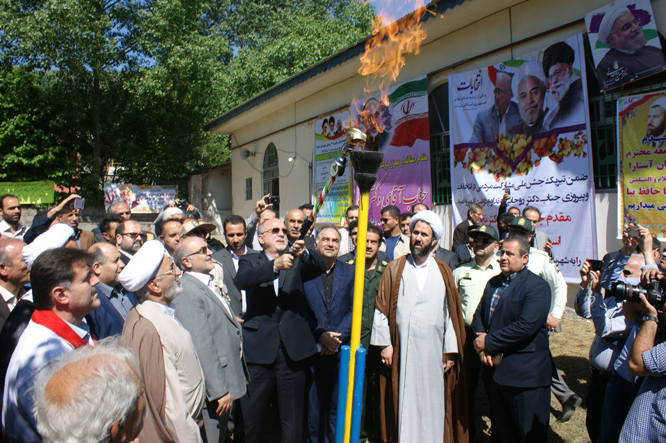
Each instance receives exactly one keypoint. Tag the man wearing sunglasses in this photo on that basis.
(129, 239)
(277, 340)
(471, 278)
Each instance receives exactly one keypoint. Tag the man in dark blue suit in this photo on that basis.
(512, 341)
(276, 335)
(330, 300)
(115, 303)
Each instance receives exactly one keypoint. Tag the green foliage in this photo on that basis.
(89, 83)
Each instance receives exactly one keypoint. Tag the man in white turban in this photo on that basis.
(656, 124)
(170, 367)
(418, 319)
(629, 57)
(529, 88)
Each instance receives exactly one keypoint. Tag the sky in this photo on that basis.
(396, 8)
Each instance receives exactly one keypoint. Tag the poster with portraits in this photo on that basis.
(140, 199)
(396, 123)
(642, 161)
(624, 42)
(522, 126)
(329, 139)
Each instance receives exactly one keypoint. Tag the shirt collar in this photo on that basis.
(203, 278)
(168, 310)
(6, 295)
(233, 254)
(104, 289)
(5, 227)
(424, 265)
(492, 265)
(82, 330)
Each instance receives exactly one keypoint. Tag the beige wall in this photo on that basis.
(474, 28)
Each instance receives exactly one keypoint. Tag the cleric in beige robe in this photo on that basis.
(419, 324)
(170, 367)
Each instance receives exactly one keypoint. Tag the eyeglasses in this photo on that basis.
(276, 231)
(136, 235)
(485, 241)
(171, 271)
(204, 250)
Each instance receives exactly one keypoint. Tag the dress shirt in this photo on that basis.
(6, 230)
(498, 291)
(471, 282)
(327, 283)
(168, 310)
(207, 280)
(611, 268)
(611, 327)
(83, 331)
(421, 271)
(118, 299)
(10, 299)
(235, 259)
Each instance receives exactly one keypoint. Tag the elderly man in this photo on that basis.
(105, 232)
(63, 291)
(64, 213)
(129, 239)
(502, 115)
(346, 243)
(294, 222)
(10, 225)
(419, 324)
(14, 274)
(512, 341)
(539, 238)
(204, 310)
(276, 337)
(529, 87)
(114, 414)
(629, 57)
(120, 208)
(115, 302)
(170, 235)
(169, 363)
(330, 301)
(474, 217)
(263, 210)
(564, 101)
(656, 127)
(235, 235)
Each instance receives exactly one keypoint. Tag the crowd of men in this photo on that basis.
(116, 334)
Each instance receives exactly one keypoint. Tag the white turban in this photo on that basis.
(527, 69)
(432, 219)
(143, 266)
(608, 21)
(659, 102)
(55, 237)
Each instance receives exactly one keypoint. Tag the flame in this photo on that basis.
(384, 52)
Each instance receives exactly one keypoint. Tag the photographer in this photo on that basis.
(645, 417)
(263, 210)
(611, 331)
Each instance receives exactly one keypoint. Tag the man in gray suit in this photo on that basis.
(235, 234)
(204, 310)
(14, 273)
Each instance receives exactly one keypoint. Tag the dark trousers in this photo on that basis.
(215, 426)
(370, 407)
(617, 402)
(323, 398)
(595, 402)
(288, 377)
(519, 414)
(473, 368)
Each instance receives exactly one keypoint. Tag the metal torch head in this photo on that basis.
(354, 137)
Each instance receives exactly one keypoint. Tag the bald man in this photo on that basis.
(115, 302)
(294, 221)
(170, 235)
(14, 274)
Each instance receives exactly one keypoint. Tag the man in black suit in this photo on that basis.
(276, 335)
(512, 341)
(14, 274)
(235, 234)
(448, 257)
(474, 217)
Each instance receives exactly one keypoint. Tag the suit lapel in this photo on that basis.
(320, 287)
(507, 292)
(108, 307)
(228, 261)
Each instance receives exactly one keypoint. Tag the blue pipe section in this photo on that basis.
(357, 402)
(343, 382)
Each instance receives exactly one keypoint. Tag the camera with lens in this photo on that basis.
(653, 292)
(181, 203)
(274, 200)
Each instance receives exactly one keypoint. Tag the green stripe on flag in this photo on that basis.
(416, 88)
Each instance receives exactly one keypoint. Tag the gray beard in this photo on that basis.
(173, 291)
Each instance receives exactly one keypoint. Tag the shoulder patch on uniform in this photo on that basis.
(384, 262)
(350, 262)
(467, 260)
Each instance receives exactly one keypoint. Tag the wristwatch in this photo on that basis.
(649, 318)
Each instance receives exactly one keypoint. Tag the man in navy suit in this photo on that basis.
(276, 335)
(330, 300)
(512, 341)
(115, 303)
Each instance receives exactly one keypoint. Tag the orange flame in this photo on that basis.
(384, 52)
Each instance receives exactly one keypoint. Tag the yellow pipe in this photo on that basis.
(357, 310)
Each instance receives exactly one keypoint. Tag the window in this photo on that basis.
(271, 176)
(438, 111)
(248, 188)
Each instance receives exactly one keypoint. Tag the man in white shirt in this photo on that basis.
(63, 290)
(204, 310)
(11, 214)
(14, 273)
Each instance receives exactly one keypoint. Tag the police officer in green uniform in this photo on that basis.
(374, 270)
(471, 277)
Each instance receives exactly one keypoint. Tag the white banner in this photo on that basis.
(140, 198)
(538, 150)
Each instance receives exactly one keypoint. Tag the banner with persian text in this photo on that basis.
(141, 199)
(30, 193)
(329, 139)
(522, 126)
(396, 123)
(642, 160)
